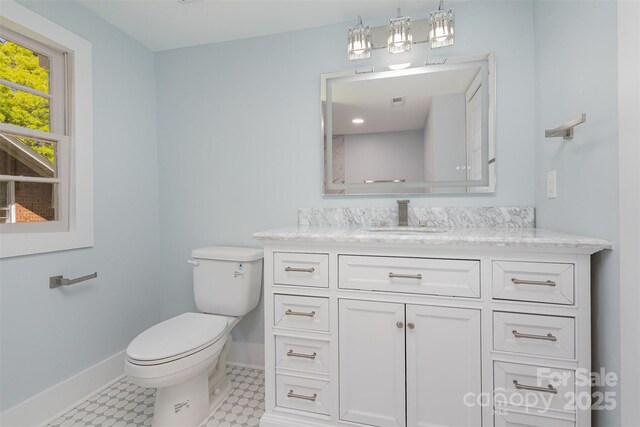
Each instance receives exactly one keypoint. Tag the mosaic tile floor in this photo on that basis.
(124, 404)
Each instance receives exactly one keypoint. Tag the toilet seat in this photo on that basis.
(176, 338)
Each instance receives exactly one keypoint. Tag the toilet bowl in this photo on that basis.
(184, 357)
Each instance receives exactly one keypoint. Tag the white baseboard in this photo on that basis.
(64, 396)
(55, 401)
(250, 355)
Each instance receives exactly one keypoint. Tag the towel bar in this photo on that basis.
(57, 281)
(566, 130)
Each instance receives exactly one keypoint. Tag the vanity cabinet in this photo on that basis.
(372, 357)
(429, 276)
(414, 356)
(443, 365)
(374, 334)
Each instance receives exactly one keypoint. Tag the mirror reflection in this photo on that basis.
(411, 131)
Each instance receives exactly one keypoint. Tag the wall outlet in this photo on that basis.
(551, 185)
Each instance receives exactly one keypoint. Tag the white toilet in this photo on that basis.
(185, 357)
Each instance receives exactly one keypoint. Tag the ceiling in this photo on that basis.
(169, 24)
(370, 100)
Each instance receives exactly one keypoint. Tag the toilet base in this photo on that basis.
(183, 404)
(220, 394)
(219, 384)
(190, 403)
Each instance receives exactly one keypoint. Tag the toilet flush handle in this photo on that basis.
(195, 262)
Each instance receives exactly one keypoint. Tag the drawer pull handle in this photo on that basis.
(405, 276)
(299, 313)
(300, 270)
(533, 282)
(302, 396)
(548, 389)
(548, 337)
(290, 353)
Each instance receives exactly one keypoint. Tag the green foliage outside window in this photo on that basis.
(24, 66)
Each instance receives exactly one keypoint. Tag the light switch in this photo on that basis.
(551, 185)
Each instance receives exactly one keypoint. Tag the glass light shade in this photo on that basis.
(441, 28)
(359, 42)
(400, 38)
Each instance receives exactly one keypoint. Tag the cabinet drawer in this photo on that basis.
(301, 269)
(533, 281)
(307, 313)
(552, 336)
(450, 277)
(514, 419)
(532, 384)
(304, 394)
(302, 354)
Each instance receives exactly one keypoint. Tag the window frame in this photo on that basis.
(73, 136)
(11, 205)
(58, 93)
(61, 223)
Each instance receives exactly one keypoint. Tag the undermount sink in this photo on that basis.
(408, 230)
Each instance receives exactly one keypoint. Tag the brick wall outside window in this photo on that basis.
(34, 200)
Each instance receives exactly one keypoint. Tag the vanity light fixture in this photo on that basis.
(435, 61)
(401, 33)
(441, 27)
(396, 67)
(357, 121)
(359, 41)
(400, 38)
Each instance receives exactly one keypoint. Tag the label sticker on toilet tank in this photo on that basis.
(239, 272)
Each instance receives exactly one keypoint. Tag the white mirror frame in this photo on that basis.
(488, 182)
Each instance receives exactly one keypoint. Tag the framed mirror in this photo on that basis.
(418, 130)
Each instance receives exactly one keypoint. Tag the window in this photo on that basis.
(46, 135)
(33, 108)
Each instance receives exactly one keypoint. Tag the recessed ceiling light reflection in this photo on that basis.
(357, 121)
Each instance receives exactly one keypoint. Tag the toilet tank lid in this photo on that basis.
(228, 253)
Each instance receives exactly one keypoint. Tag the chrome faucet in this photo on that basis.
(403, 212)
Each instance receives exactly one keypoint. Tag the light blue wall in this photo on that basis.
(239, 133)
(576, 72)
(49, 335)
(239, 150)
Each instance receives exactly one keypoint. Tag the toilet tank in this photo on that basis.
(227, 280)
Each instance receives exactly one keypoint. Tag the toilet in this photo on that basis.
(184, 357)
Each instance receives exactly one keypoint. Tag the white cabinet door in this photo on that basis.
(443, 365)
(372, 363)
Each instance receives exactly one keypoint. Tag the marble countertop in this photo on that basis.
(524, 237)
